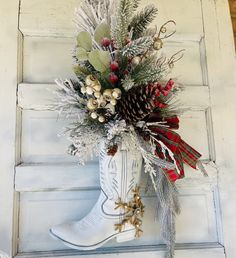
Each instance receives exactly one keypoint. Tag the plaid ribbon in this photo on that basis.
(183, 153)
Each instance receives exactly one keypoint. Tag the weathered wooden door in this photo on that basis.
(40, 185)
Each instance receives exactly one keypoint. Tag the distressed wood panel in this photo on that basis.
(47, 58)
(56, 17)
(40, 96)
(74, 205)
(41, 143)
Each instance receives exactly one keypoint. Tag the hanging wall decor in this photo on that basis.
(124, 110)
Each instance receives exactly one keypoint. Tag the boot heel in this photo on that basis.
(125, 236)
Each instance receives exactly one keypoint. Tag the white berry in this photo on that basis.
(83, 90)
(101, 119)
(94, 115)
(89, 90)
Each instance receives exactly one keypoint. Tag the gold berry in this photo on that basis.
(113, 102)
(90, 80)
(97, 86)
(107, 94)
(92, 104)
(136, 60)
(101, 101)
(116, 93)
(158, 44)
(163, 30)
(97, 94)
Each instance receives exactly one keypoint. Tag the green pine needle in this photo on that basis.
(141, 20)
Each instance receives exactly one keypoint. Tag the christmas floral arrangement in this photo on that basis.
(123, 86)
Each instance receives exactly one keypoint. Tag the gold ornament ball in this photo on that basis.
(90, 80)
(101, 119)
(92, 104)
(83, 90)
(163, 30)
(116, 93)
(107, 94)
(97, 94)
(158, 44)
(113, 102)
(97, 86)
(136, 60)
(89, 90)
(94, 115)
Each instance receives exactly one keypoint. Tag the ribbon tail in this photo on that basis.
(201, 167)
(189, 155)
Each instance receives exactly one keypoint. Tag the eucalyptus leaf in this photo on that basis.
(102, 31)
(100, 60)
(81, 54)
(84, 40)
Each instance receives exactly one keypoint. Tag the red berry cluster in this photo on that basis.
(164, 91)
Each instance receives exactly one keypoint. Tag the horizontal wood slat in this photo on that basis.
(42, 177)
(41, 96)
(206, 250)
(45, 177)
(56, 17)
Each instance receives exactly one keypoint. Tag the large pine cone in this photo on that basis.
(137, 103)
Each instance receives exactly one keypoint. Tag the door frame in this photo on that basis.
(9, 19)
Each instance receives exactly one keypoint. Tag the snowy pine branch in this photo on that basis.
(141, 20)
(123, 18)
(137, 47)
(147, 71)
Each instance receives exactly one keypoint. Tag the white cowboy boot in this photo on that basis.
(117, 211)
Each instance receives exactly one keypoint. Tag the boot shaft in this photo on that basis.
(119, 174)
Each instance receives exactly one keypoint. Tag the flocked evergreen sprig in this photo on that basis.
(123, 93)
(142, 20)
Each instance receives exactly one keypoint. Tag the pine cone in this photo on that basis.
(137, 103)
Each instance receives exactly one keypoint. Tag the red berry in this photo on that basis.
(162, 105)
(169, 85)
(126, 72)
(106, 42)
(165, 92)
(113, 78)
(114, 66)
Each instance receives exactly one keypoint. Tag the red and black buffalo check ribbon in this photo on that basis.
(183, 153)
